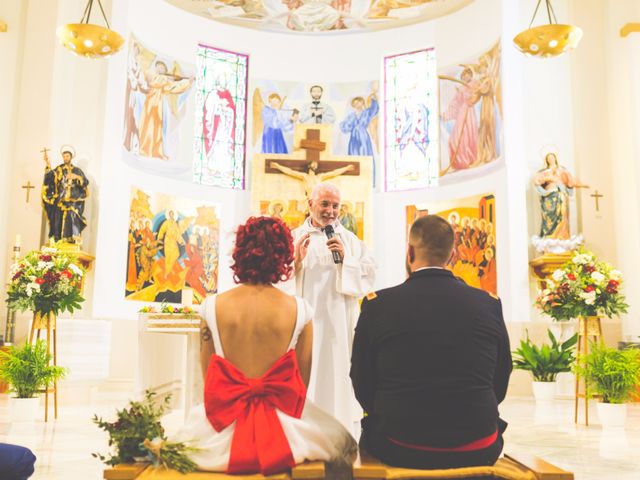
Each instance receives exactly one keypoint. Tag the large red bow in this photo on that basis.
(259, 443)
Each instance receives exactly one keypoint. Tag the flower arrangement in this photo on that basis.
(164, 308)
(137, 432)
(46, 281)
(583, 287)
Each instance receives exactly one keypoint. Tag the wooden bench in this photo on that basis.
(365, 468)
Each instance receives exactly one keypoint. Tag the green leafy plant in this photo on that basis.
(613, 374)
(27, 369)
(137, 432)
(46, 281)
(546, 361)
(583, 287)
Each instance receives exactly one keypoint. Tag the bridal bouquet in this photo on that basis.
(583, 287)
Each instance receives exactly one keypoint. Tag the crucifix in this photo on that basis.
(311, 170)
(28, 187)
(597, 196)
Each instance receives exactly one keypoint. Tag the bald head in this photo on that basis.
(431, 239)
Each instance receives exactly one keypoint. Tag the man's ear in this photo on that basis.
(412, 253)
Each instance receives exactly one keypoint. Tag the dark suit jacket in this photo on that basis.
(431, 361)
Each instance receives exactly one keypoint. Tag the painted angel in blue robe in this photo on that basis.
(356, 125)
(276, 121)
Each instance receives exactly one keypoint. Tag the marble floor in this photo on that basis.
(64, 447)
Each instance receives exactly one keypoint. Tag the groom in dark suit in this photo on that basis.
(431, 362)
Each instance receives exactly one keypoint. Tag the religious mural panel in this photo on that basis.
(474, 224)
(350, 110)
(158, 115)
(320, 15)
(172, 246)
(281, 183)
(221, 117)
(410, 124)
(470, 116)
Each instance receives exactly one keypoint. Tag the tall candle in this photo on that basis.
(187, 296)
(18, 238)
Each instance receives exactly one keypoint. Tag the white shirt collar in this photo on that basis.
(428, 268)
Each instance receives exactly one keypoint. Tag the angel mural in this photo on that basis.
(172, 249)
(271, 121)
(471, 117)
(358, 123)
(155, 103)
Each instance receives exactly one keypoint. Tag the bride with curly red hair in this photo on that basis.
(256, 344)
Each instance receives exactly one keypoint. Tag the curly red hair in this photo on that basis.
(263, 252)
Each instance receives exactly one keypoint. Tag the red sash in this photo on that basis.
(469, 447)
(259, 443)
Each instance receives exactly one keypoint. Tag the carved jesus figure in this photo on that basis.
(310, 179)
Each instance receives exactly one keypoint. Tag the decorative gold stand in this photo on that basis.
(587, 327)
(545, 265)
(47, 322)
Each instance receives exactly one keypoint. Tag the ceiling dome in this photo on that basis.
(320, 16)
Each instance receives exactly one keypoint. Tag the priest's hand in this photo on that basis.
(336, 245)
(301, 248)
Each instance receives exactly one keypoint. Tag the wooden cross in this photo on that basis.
(28, 187)
(312, 147)
(597, 196)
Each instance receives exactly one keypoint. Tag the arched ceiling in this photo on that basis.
(317, 16)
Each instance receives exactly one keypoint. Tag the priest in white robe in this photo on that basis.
(333, 290)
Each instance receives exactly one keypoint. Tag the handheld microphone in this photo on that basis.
(328, 231)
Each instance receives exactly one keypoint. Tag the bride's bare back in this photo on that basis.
(256, 323)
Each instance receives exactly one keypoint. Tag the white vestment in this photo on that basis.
(333, 292)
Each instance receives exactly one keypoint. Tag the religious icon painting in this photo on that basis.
(158, 114)
(410, 124)
(346, 113)
(474, 226)
(470, 116)
(221, 117)
(172, 246)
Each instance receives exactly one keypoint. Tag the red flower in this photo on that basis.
(589, 269)
(39, 281)
(571, 276)
(613, 283)
(589, 288)
(17, 275)
(66, 274)
(45, 258)
(612, 290)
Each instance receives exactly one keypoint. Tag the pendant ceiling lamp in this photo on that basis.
(89, 40)
(548, 40)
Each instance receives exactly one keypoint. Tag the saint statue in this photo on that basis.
(310, 179)
(555, 185)
(64, 192)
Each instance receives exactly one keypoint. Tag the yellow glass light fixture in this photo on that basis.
(548, 40)
(89, 40)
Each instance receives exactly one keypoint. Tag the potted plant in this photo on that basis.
(27, 370)
(614, 376)
(583, 287)
(545, 362)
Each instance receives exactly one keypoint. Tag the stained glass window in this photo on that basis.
(411, 120)
(221, 116)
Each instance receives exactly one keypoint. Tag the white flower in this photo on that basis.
(597, 277)
(582, 259)
(44, 266)
(75, 269)
(49, 250)
(557, 275)
(615, 275)
(588, 297)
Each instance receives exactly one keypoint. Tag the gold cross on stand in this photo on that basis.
(597, 196)
(28, 188)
